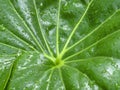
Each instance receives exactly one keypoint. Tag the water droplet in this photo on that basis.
(117, 65)
(66, 4)
(48, 80)
(110, 70)
(41, 4)
(77, 5)
(29, 84)
(2, 27)
(36, 87)
(19, 53)
(30, 56)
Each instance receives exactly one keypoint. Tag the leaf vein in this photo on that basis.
(34, 1)
(75, 28)
(91, 32)
(26, 26)
(91, 45)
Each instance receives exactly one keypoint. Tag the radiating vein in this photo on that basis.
(21, 40)
(92, 45)
(12, 70)
(60, 73)
(91, 32)
(49, 78)
(49, 57)
(9, 75)
(75, 28)
(27, 27)
(12, 46)
(85, 60)
(79, 60)
(85, 75)
(39, 81)
(57, 30)
(8, 55)
(48, 47)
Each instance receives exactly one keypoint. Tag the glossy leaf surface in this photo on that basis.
(59, 44)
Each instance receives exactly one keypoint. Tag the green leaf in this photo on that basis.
(59, 44)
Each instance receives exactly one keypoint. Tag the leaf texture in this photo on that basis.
(59, 44)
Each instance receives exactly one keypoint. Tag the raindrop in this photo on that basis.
(66, 4)
(29, 84)
(2, 27)
(110, 70)
(92, 50)
(36, 87)
(19, 53)
(117, 65)
(113, 63)
(48, 80)
(41, 4)
(30, 56)
(88, 54)
(77, 5)
(62, 39)
(96, 87)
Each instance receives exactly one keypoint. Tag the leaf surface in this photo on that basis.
(59, 44)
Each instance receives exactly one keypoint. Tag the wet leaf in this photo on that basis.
(59, 44)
